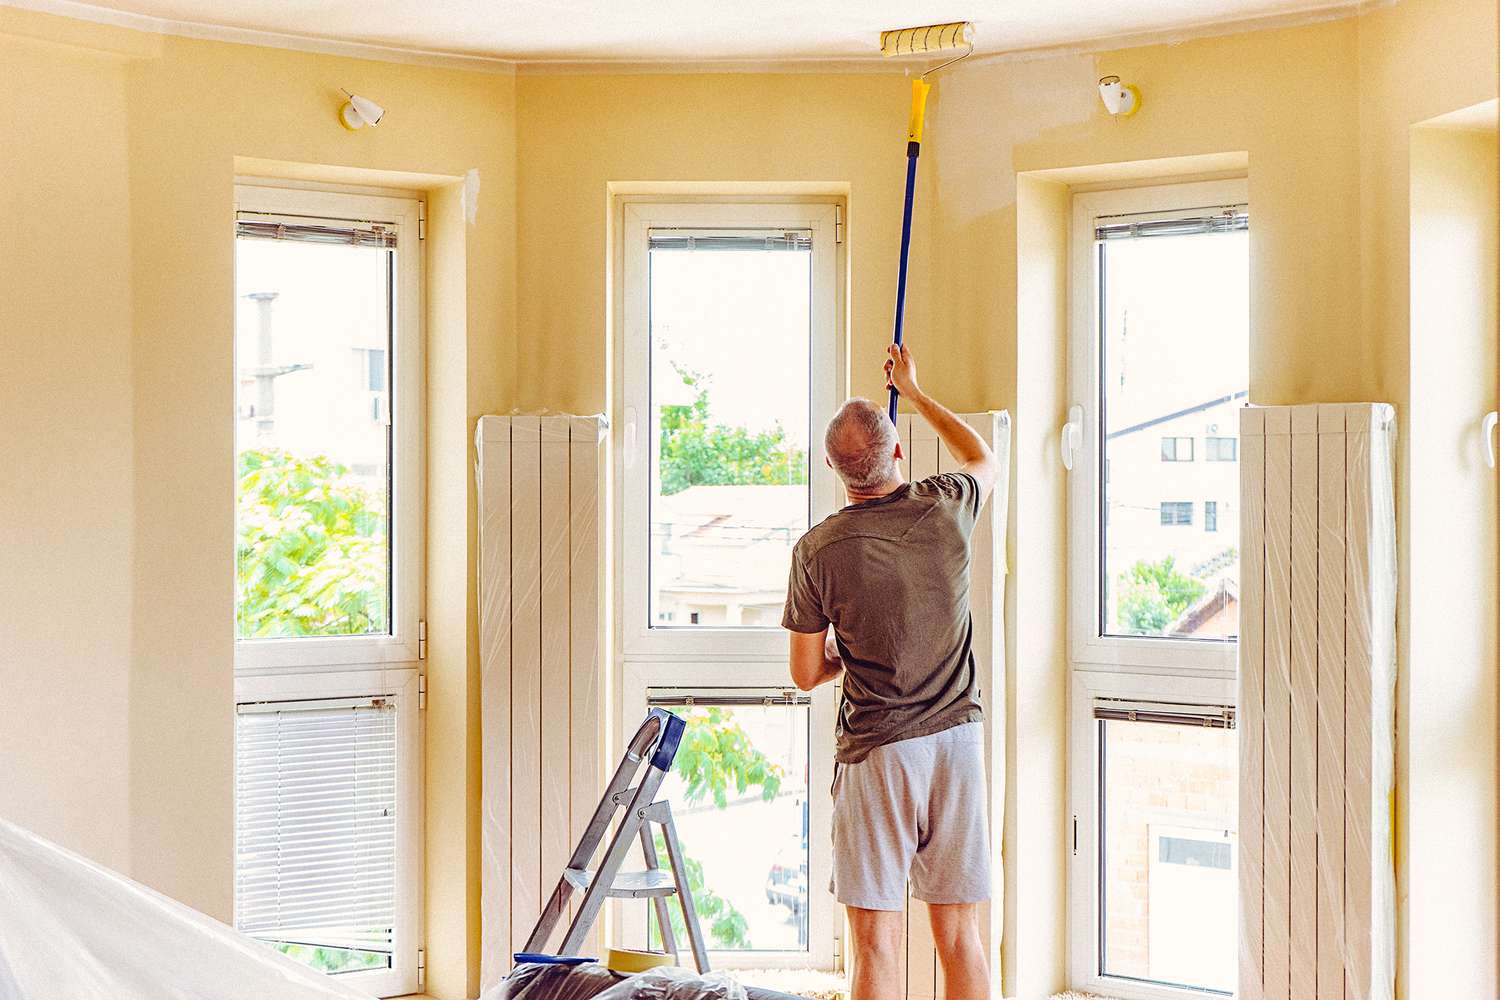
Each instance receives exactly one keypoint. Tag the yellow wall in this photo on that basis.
(1035, 835)
(1450, 843)
(67, 489)
(580, 133)
(121, 156)
(1418, 59)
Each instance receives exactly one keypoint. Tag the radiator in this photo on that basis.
(541, 643)
(926, 456)
(1316, 702)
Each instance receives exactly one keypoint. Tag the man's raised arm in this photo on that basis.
(972, 451)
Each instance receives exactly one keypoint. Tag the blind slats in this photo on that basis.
(1230, 220)
(357, 234)
(1122, 710)
(315, 823)
(797, 240)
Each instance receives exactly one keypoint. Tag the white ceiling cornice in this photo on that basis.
(1329, 10)
(264, 39)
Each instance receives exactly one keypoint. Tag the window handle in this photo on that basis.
(1072, 436)
(1487, 432)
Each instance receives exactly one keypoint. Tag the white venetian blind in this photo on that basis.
(315, 822)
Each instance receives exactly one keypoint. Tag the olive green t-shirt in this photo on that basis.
(892, 577)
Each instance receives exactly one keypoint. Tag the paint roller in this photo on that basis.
(908, 42)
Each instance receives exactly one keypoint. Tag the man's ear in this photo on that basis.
(828, 461)
(899, 455)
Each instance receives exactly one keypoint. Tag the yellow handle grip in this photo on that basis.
(919, 89)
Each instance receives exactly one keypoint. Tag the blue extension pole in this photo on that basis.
(912, 151)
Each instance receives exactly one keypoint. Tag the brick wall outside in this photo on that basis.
(1156, 774)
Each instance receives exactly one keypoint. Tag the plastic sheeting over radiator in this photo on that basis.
(1317, 702)
(71, 929)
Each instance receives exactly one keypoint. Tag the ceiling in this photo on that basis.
(678, 31)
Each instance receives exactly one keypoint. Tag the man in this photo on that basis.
(879, 592)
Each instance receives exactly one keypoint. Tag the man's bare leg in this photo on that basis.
(876, 954)
(955, 931)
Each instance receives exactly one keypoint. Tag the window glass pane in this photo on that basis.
(730, 370)
(1174, 332)
(1168, 890)
(315, 832)
(739, 798)
(313, 325)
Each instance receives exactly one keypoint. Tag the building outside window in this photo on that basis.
(1159, 359)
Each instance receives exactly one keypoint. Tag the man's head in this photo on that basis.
(863, 447)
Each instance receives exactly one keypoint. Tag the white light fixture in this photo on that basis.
(1120, 99)
(358, 112)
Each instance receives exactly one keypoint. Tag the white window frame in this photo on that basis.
(1084, 929)
(401, 686)
(295, 669)
(1147, 668)
(1087, 648)
(407, 480)
(712, 659)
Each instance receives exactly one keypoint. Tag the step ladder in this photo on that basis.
(650, 756)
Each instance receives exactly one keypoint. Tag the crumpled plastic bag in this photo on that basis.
(595, 982)
(671, 983)
(71, 929)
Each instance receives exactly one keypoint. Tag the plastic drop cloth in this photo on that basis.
(71, 929)
(595, 982)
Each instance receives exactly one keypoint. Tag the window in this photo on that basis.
(1160, 353)
(1221, 449)
(375, 370)
(728, 365)
(756, 847)
(1159, 358)
(328, 563)
(1175, 512)
(1176, 449)
(1154, 884)
(1168, 798)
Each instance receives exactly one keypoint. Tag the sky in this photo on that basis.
(1177, 323)
(743, 318)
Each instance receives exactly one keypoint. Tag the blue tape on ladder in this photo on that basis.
(672, 729)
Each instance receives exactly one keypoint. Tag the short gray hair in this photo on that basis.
(861, 445)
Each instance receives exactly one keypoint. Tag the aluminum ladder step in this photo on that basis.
(627, 885)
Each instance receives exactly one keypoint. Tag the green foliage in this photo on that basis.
(695, 451)
(715, 756)
(1154, 594)
(727, 926)
(333, 959)
(311, 554)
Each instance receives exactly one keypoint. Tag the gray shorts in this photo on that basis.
(913, 809)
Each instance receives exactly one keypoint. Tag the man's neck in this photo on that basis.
(886, 489)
